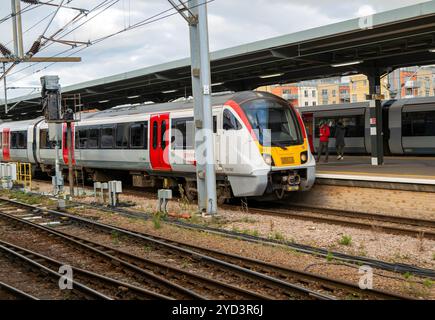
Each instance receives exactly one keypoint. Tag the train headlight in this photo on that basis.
(304, 157)
(268, 159)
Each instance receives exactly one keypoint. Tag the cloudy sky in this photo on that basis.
(231, 22)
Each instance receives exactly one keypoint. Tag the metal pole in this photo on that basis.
(58, 186)
(376, 130)
(19, 28)
(210, 174)
(5, 88)
(70, 164)
(198, 109)
(14, 27)
(201, 86)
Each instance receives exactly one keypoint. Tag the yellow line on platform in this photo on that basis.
(376, 174)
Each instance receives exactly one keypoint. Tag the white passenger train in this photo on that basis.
(409, 126)
(261, 146)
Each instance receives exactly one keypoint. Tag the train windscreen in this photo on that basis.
(274, 122)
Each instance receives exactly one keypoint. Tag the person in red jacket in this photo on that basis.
(325, 132)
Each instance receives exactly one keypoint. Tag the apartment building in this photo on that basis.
(307, 95)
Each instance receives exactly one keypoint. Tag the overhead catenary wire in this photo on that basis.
(154, 18)
(90, 11)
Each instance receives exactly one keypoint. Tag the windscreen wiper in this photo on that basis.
(279, 145)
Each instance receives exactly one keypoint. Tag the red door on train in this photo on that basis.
(65, 144)
(6, 144)
(159, 142)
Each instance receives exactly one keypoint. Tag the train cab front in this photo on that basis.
(282, 141)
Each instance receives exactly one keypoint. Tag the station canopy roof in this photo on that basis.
(386, 41)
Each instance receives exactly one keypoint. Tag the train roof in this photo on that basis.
(218, 100)
(385, 103)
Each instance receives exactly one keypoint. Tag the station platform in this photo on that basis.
(402, 173)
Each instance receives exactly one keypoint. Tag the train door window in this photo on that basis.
(93, 138)
(138, 136)
(44, 142)
(163, 133)
(183, 133)
(122, 136)
(107, 137)
(214, 124)
(230, 122)
(155, 135)
(83, 138)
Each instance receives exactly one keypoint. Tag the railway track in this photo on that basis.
(175, 282)
(305, 285)
(8, 292)
(33, 280)
(383, 223)
(263, 286)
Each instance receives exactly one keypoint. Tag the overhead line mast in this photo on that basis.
(195, 13)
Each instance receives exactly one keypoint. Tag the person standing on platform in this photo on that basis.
(340, 131)
(325, 132)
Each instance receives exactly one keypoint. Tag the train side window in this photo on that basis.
(418, 124)
(19, 140)
(354, 126)
(183, 133)
(107, 137)
(230, 122)
(155, 135)
(93, 138)
(13, 140)
(163, 134)
(122, 136)
(138, 135)
(44, 142)
(83, 138)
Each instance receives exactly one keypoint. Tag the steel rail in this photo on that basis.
(335, 217)
(169, 286)
(91, 278)
(266, 280)
(78, 287)
(15, 292)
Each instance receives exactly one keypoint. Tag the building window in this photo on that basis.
(306, 93)
(354, 98)
(286, 91)
(324, 92)
(313, 93)
(333, 93)
(314, 103)
(306, 103)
